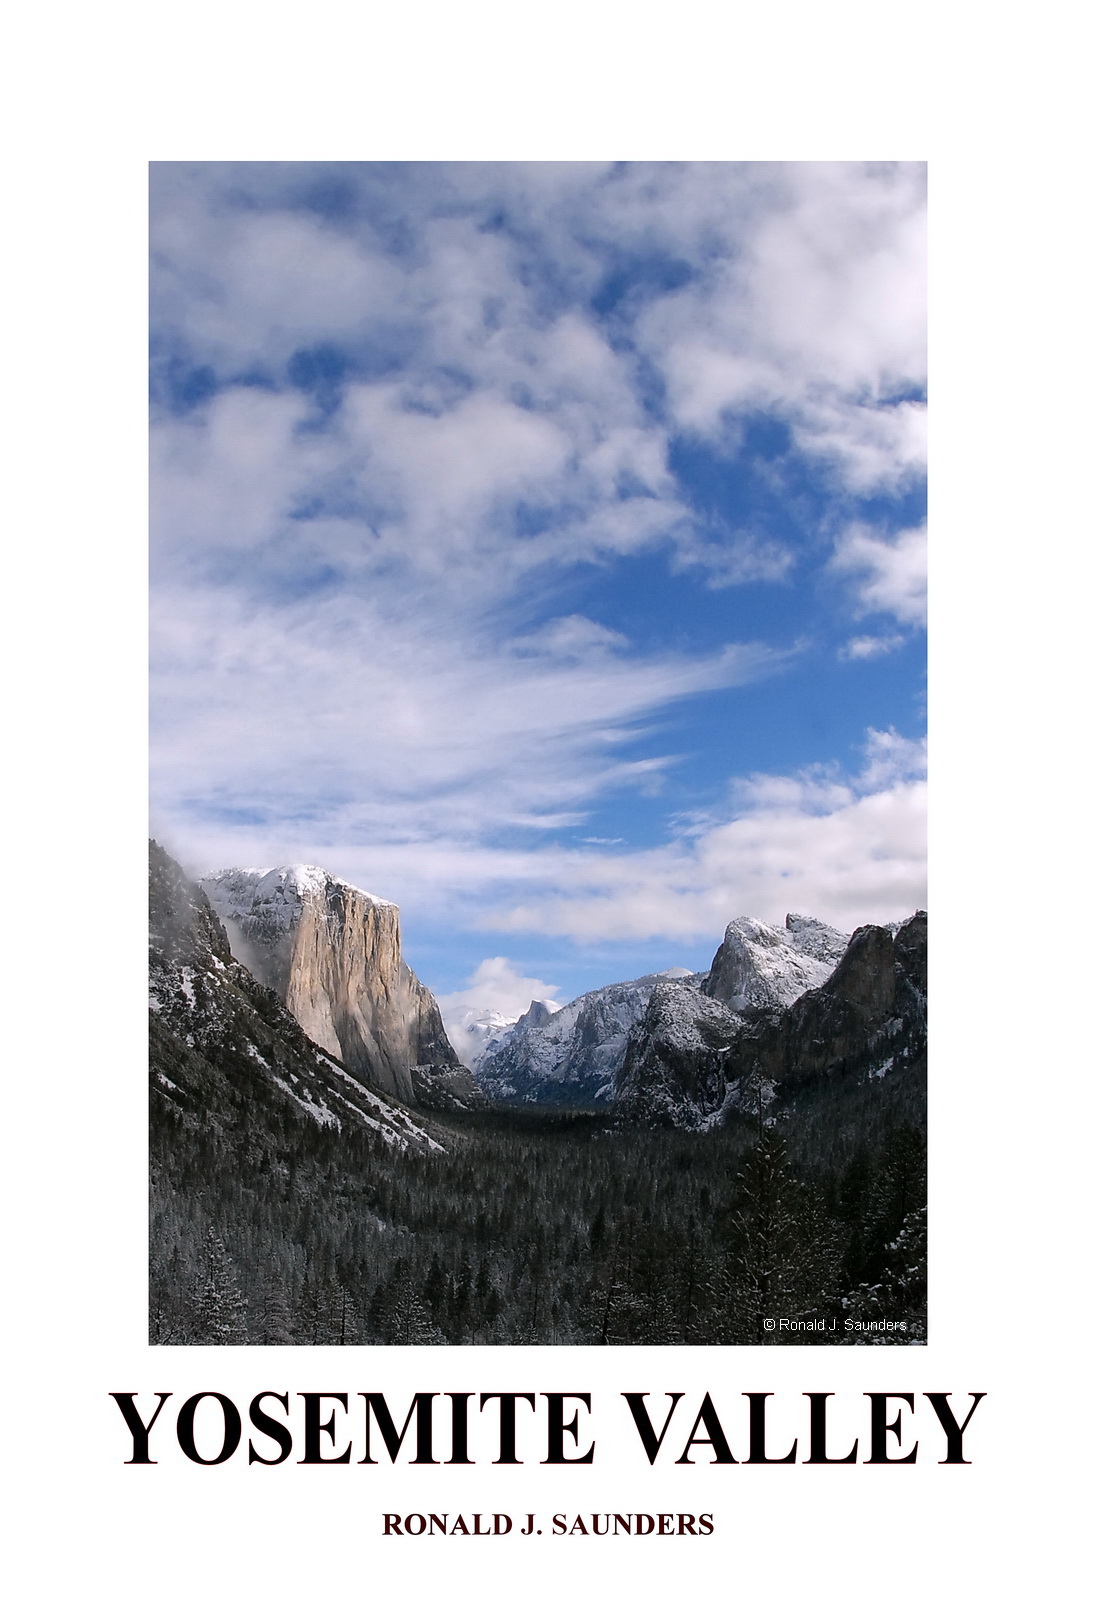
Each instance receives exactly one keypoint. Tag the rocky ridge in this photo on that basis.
(690, 1067)
(759, 967)
(224, 1051)
(570, 1056)
(671, 1071)
(575, 1056)
(332, 954)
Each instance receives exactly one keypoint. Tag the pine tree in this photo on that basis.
(276, 1322)
(403, 1316)
(219, 1310)
(784, 1251)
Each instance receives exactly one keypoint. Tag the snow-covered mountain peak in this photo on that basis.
(539, 1011)
(473, 1032)
(332, 954)
(759, 966)
(569, 1054)
(276, 893)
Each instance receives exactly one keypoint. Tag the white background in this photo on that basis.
(995, 107)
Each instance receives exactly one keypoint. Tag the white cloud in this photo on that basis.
(442, 473)
(816, 311)
(867, 646)
(875, 447)
(891, 758)
(490, 386)
(224, 479)
(573, 638)
(740, 558)
(498, 401)
(249, 286)
(891, 573)
(367, 722)
(847, 848)
(497, 985)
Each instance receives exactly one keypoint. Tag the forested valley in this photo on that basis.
(541, 1228)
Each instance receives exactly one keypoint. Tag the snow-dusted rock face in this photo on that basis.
(865, 1021)
(224, 1051)
(332, 955)
(761, 968)
(868, 1018)
(570, 1056)
(672, 1067)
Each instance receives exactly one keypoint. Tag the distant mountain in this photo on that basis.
(472, 1032)
(685, 1049)
(224, 1050)
(759, 967)
(673, 1068)
(569, 1056)
(689, 1064)
(331, 953)
(572, 1057)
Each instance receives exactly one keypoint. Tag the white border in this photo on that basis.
(106, 89)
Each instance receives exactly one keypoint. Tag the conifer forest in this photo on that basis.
(538, 1228)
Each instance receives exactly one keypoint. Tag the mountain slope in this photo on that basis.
(869, 1017)
(574, 1056)
(332, 954)
(570, 1056)
(867, 1020)
(222, 1047)
(671, 1072)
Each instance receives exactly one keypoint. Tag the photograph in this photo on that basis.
(537, 889)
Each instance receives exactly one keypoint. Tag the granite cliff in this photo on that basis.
(225, 1054)
(332, 954)
(759, 967)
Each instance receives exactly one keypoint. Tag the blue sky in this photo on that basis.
(541, 546)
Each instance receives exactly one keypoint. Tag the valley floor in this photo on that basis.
(546, 1228)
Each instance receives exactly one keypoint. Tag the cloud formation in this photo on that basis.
(890, 574)
(466, 478)
(847, 847)
(516, 343)
(372, 724)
